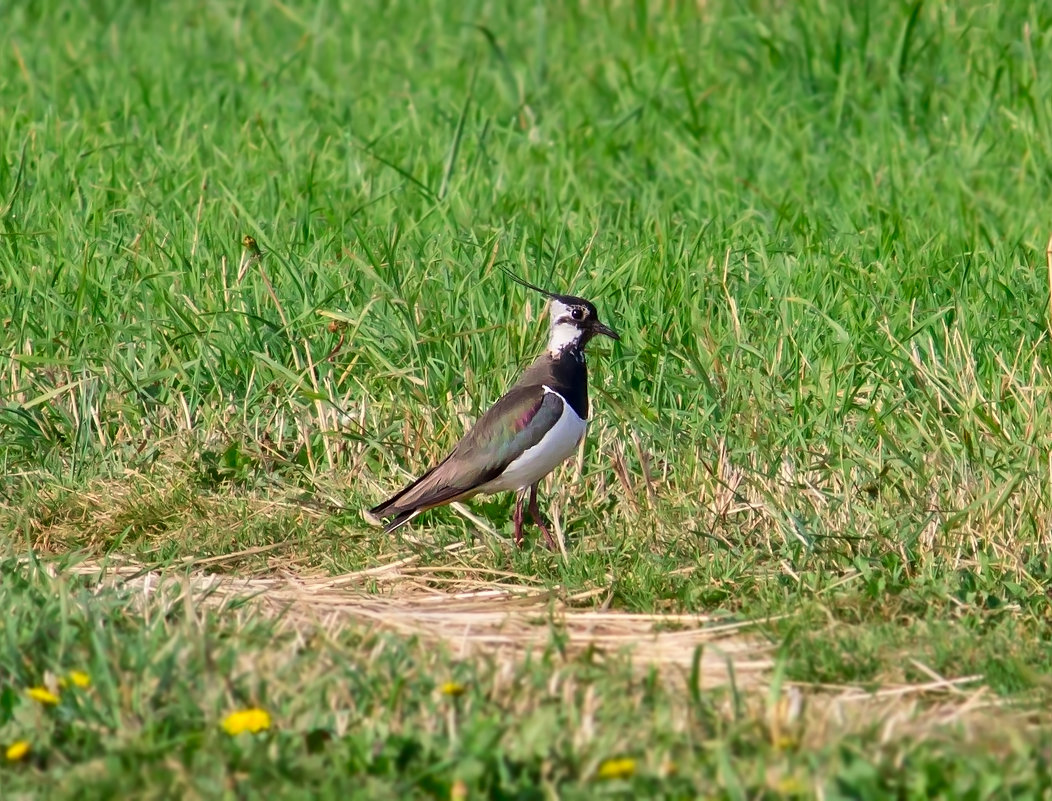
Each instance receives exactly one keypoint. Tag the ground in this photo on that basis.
(250, 285)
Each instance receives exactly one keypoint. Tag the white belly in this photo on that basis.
(535, 463)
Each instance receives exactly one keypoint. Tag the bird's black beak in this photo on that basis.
(606, 331)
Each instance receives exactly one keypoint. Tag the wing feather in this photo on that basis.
(514, 423)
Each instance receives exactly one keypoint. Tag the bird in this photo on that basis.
(534, 427)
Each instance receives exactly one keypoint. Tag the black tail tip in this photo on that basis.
(375, 517)
(401, 520)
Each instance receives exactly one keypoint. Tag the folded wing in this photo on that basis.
(518, 421)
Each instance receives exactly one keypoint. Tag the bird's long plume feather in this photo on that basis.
(528, 285)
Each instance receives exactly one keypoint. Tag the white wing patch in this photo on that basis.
(535, 463)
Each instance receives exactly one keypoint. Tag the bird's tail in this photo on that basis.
(424, 493)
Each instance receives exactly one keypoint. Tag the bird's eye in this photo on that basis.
(577, 313)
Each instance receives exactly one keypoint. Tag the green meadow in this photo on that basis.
(250, 284)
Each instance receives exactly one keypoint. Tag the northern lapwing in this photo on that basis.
(525, 435)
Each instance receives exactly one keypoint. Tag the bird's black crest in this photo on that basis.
(527, 284)
(569, 299)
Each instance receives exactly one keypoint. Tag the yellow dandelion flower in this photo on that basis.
(459, 791)
(454, 689)
(77, 678)
(620, 768)
(42, 695)
(17, 750)
(252, 720)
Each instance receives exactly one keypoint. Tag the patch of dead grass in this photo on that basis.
(470, 617)
(464, 613)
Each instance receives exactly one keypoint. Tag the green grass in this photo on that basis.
(820, 229)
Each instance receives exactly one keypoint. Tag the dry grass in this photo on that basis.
(466, 615)
(470, 618)
(463, 603)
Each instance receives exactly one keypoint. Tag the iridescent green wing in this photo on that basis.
(516, 422)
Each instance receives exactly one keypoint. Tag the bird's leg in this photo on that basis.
(517, 517)
(535, 513)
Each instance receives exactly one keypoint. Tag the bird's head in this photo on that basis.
(574, 321)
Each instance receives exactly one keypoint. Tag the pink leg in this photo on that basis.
(517, 518)
(535, 513)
